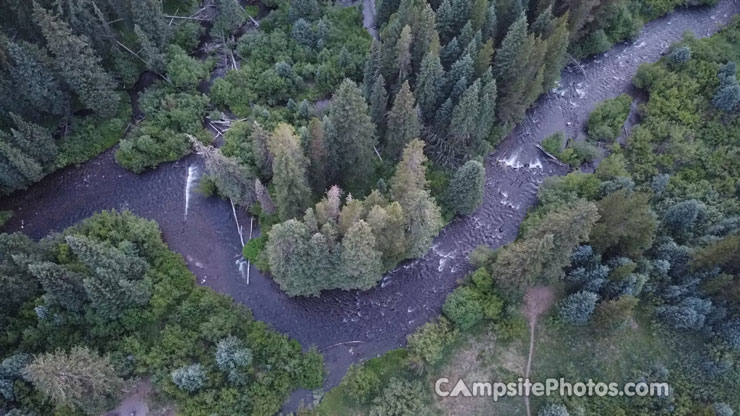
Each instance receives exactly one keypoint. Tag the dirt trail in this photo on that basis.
(537, 301)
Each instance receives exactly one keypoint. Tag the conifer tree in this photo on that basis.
(450, 52)
(424, 37)
(483, 59)
(464, 125)
(478, 14)
(351, 139)
(409, 189)
(387, 223)
(33, 140)
(428, 85)
(403, 55)
(361, 261)
(118, 279)
(18, 169)
(78, 65)
(318, 156)
(487, 114)
(230, 17)
(465, 191)
(63, 287)
(233, 180)
(32, 75)
(372, 68)
(490, 28)
(292, 193)
(403, 122)
(80, 378)
(379, 104)
(259, 139)
(287, 249)
(557, 48)
(459, 77)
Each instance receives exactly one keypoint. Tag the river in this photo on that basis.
(349, 326)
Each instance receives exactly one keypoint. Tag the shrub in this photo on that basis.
(400, 398)
(553, 144)
(190, 378)
(464, 307)
(361, 383)
(426, 344)
(606, 121)
(614, 314)
(680, 55)
(5, 216)
(577, 308)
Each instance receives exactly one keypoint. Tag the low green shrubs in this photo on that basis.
(606, 121)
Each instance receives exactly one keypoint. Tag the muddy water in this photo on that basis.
(350, 326)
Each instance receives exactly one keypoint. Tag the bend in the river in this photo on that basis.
(351, 326)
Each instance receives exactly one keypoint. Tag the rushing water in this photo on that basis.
(348, 326)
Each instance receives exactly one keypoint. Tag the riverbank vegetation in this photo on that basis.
(106, 302)
(642, 255)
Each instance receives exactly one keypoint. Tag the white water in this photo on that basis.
(192, 177)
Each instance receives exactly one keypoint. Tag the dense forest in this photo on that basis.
(642, 253)
(353, 152)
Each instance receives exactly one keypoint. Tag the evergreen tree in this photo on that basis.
(489, 29)
(428, 85)
(465, 191)
(78, 65)
(450, 53)
(459, 77)
(317, 156)
(518, 264)
(118, 279)
(351, 139)
(372, 69)
(626, 224)
(259, 139)
(403, 123)
(409, 189)
(478, 14)
(190, 378)
(17, 284)
(556, 50)
(148, 15)
(287, 251)
(463, 134)
(233, 358)
(18, 169)
(63, 287)
(387, 224)
(80, 378)
(483, 59)
(32, 75)
(403, 55)
(425, 37)
(361, 262)
(379, 104)
(292, 193)
(33, 140)
(543, 25)
(385, 9)
(508, 67)
(487, 114)
(577, 308)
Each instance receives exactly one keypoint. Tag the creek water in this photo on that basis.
(349, 326)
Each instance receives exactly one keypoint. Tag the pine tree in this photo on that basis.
(287, 249)
(490, 28)
(379, 104)
(428, 85)
(483, 59)
(403, 55)
(557, 48)
(487, 114)
(292, 193)
(385, 9)
(387, 223)
(403, 123)
(118, 279)
(409, 189)
(147, 14)
(478, 14)
(33, 140)
(464, 125)
(372, 69)
(459, 77)
(20, 170)
(508, 67)
(465, 191)
(626, 224)
(32, 74)
(425, 37)
(80, 378)
(351, 139)
(450, 52)
(78, 65)
(518, 264)
(318, 156)
(259, 139)
(361, 262)
(63, 287)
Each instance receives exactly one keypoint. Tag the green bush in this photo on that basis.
(427, 343)
(606, 121)
(464, 307)
(5, 217)
(553, 144)
(361, 383)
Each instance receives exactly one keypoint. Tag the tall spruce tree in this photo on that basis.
(465, 191)
(372, 68)
(287, 251)
(292, 193)
(33, 140)
(409, 189)
(32, 75)
(429, 85)
(509, 65)
(351, 140)
(557, 48)
(379, 105)
(403, 55)
(361, 262)
(77, 64)
(63, 287)
(403, 123)
(317, 156)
